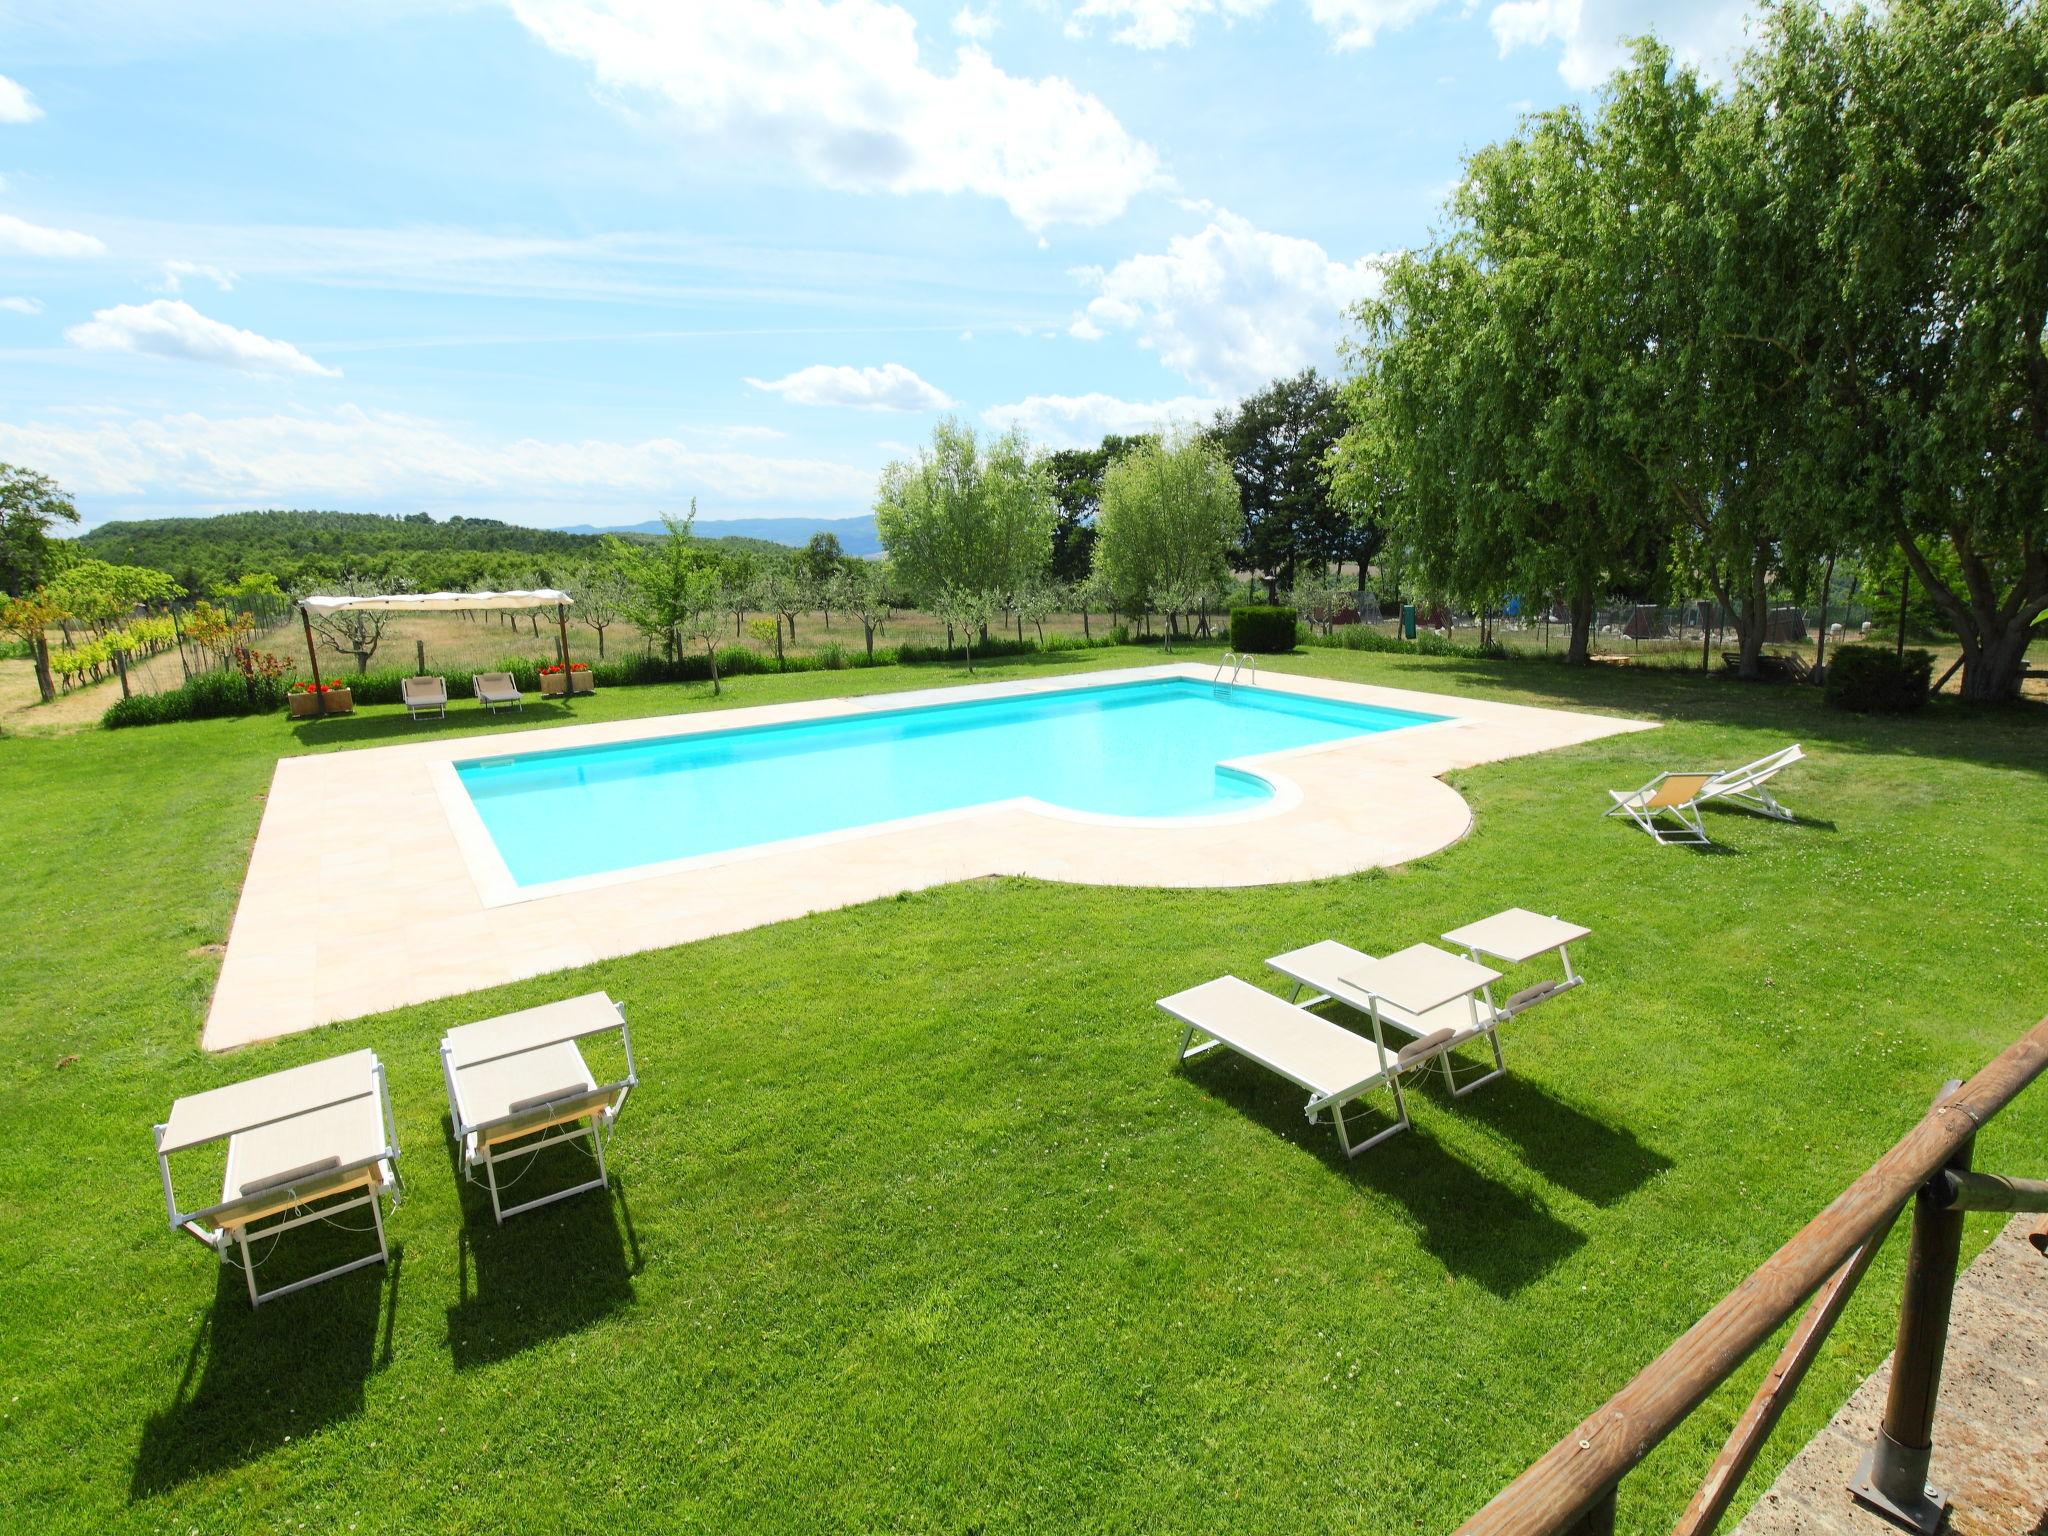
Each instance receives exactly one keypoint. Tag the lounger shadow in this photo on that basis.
(557, 1271)
(256, 1377)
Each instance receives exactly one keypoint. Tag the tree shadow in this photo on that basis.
(1473, 1225)
(462, 719)
(545, 1273)
(256, 1377)
(1579, 1152)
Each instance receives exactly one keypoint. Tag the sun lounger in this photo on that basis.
(519, 1083)
(496, 691)
(1334, 1065)
(303, 1145)
(1676, 795)
(1745, 786)
(422, 695)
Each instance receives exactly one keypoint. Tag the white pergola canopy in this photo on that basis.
(438, 602)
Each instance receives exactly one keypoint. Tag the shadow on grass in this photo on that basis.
(545, 1273)
(1475, 1226)
(464, 718)
(256, 1377)
(1598, 1162)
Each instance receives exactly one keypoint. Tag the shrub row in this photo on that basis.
(204, 696)
(1362, 637)
(1875, 680)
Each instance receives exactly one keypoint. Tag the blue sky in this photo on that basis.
(566, 261)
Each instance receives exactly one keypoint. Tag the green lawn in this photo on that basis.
(917, 1229)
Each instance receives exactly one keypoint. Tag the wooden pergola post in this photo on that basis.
(313, 658)
(568, 677)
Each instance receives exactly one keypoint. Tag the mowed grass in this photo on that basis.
(917, 1229)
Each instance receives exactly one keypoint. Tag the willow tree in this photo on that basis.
(1169, 516)
(964, 516)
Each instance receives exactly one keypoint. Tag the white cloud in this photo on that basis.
(841, 89)
(1234, 305)
(1084, 329)
(976, 26)
(16, 105)
(1081, 421)
(173, 328)
(175, 273)
(39, 240)
(1591, 34)
(354, 455)
(22, 306)
(1157, 23)
(891, 387)
(1358, 23)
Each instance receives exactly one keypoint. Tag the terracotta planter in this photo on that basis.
(551, 682)
(305, 706)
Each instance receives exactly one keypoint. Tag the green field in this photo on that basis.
(918, 1229)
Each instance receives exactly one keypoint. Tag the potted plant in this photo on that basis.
(576, 680)
(306, 697)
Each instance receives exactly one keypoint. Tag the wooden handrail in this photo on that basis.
(1577, 1476)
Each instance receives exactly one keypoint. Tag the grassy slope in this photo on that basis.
(917, 1228)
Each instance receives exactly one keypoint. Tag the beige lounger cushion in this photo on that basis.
(1323, 965)
(495, 685)
(553, 1084)
(277, 1166)
(1325, 1058)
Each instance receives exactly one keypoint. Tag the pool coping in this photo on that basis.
(390, 911)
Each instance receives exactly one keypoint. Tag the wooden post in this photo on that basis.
(420, 652)
(313, 657)
(568, 677)
(121, 668)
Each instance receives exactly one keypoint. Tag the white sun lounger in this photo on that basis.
(422, 695)
(519, 1082)
(1676, 795)
(1334, 1065)
(1745, 786)
(496, 691)
(303, 1145)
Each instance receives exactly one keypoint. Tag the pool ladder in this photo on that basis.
(1238, 661)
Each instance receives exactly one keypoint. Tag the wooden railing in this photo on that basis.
(1572, 1487)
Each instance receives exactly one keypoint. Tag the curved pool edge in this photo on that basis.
(413, 911)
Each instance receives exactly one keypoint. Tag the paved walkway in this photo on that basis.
(1990, 1428)
(374, 885)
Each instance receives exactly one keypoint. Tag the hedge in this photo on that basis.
(1362, 637)
(205, 696)
(1873, 679)
(1264, 631)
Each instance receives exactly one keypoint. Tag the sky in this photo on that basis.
(581, 261)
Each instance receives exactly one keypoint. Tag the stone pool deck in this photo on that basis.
(373, 886)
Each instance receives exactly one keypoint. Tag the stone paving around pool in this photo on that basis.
(368, 889)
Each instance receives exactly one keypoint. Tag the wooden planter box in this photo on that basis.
(551, 682)
(306, 706)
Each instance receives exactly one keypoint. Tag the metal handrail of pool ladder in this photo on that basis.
(1236, 661)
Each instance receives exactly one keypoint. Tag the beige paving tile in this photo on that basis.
(359, 850)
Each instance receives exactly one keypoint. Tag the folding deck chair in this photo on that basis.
(423, 695)
(1745, 786)
(496, 691)
(1333, 1064)
(1676, 795)
(303, 1145)
(519, 1083)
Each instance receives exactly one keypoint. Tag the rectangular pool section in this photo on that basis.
(1143, 749)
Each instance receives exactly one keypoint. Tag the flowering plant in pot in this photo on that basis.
(576, 679)
(310, 696)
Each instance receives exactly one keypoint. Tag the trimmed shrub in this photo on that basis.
(1264, 631)
(1874, 680)
(206, 696)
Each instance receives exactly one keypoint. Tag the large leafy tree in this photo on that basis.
(966, 516)
(1169, 514)
(1076, 476)
(1279, 442)
(30, 505)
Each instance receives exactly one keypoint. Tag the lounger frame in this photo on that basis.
(295, 1204)
(492, 703)
(1641, 807)
(588, 1113)
(419, 708)
(1748, 786)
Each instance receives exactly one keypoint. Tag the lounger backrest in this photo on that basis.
(1677, 789)
(1752, 774)
(424, 690)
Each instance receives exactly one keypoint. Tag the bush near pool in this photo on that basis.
(1874, 680)
(1266, 631)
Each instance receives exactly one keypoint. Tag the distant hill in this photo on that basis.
(856, 535)
(457, 554)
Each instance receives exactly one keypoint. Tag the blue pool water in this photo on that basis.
(1127, 749)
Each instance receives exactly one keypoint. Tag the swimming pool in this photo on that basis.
(1150, 749)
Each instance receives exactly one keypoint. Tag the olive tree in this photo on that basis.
(1170, 513)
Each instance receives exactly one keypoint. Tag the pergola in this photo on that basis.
(436, 602)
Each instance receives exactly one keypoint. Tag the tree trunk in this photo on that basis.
(1820, 641)
(869, 629)
(1994, 635)
(1084, 624)
(1580, 650)
(600, 640)
(45, 684)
